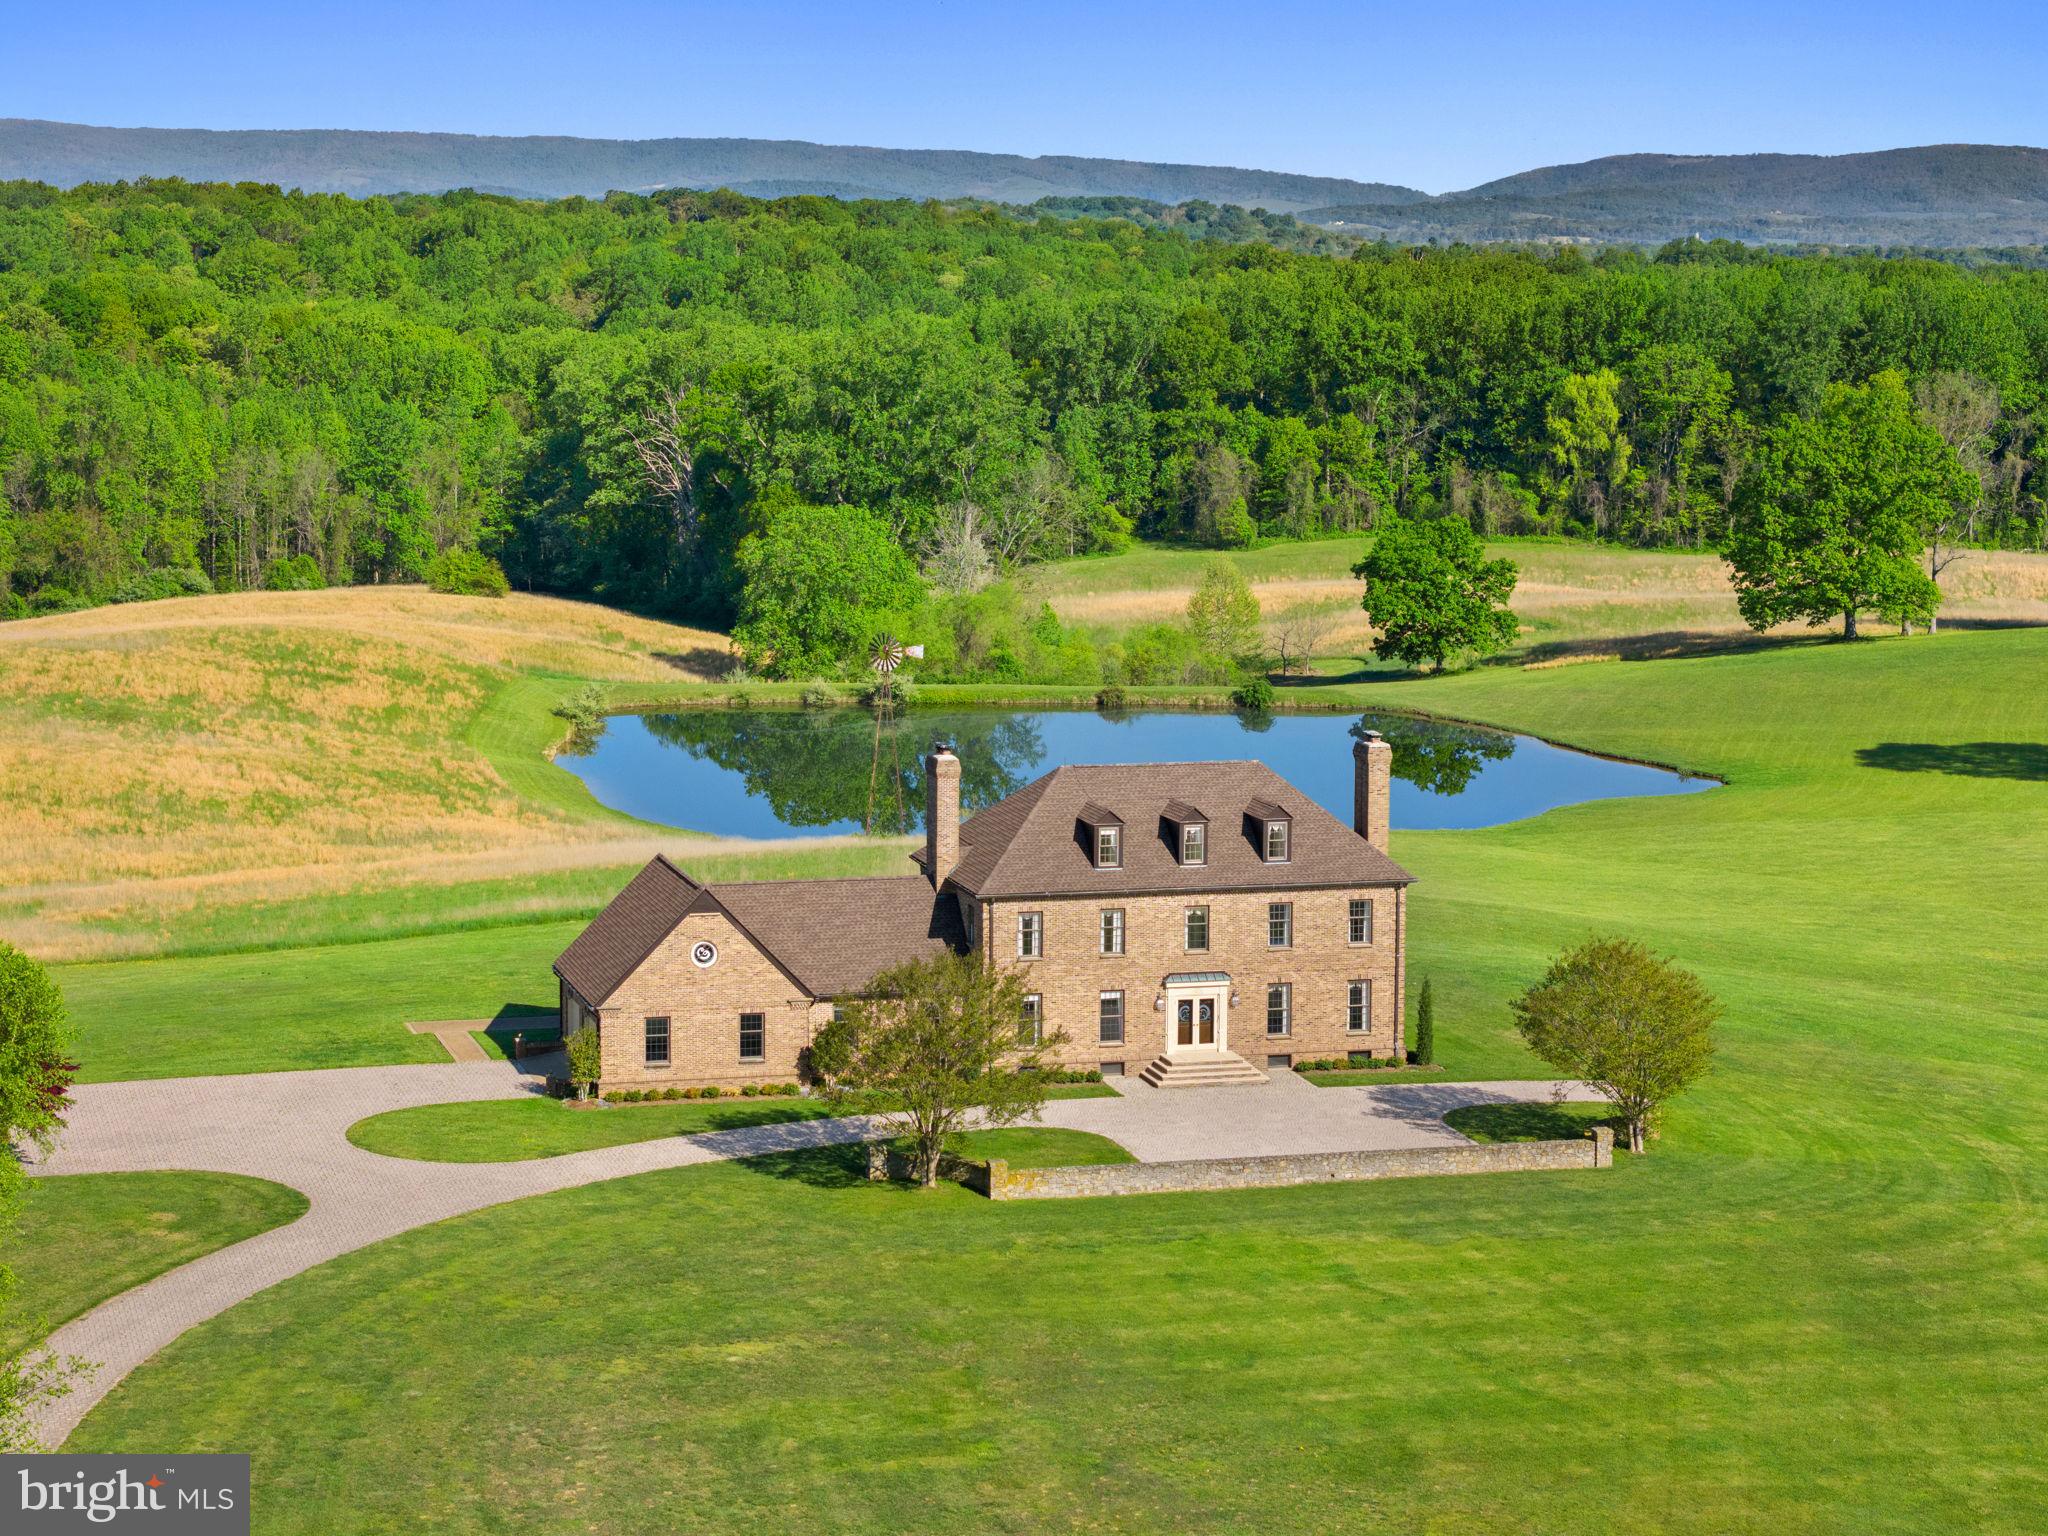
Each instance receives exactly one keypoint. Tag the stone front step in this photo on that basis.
(1210, 1069)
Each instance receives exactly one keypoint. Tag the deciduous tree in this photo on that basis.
(817, 585)
(1831, 516)
(1223, 612)
(1431, 592)
(1632, 1026)
(939, 1042)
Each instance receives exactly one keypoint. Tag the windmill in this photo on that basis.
(888, 654)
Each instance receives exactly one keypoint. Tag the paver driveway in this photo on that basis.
(291, 1127)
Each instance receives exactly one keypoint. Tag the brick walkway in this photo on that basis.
(291, 1127)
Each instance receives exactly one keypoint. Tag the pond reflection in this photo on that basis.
(784, 773)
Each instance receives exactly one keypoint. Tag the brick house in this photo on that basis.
(1191, 922)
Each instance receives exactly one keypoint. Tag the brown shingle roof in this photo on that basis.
(1261, 809)
(626, 931)
(836, 936)
(1025, 846)
(1181, 811)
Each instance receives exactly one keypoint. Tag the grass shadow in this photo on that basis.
(2026, 761)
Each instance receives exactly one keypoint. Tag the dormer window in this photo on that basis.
(1272, 830)
(1105, 836)
(1186, 831)
(1276, 842)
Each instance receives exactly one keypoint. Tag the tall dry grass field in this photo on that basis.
(161, 758)
(1570, 596)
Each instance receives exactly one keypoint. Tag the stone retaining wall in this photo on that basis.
(1005, 1183)
(885, 1162)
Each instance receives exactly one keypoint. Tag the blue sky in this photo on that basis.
(1435, 96)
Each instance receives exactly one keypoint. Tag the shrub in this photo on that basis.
(56, 600)
(1254, 696)
(1425, 1025)
(751, 1090)
(466, 573)
(1112, 700)
(819, 695)
(162, 581)
(671, 1093)
(691, 1093)
(711, 1091)
(294, 573)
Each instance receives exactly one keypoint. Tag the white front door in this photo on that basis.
(1197, 1020)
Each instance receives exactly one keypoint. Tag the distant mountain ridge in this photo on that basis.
(363, 163)
(1951, 195)
(1937, 194)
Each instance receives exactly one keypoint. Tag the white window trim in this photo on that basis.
(1358, 1005)
(1208, 932)
(1288, 941)
(1286, 829)
(1111, 840)
(1034, 1015)
(1033, 925)
(1200, 830)
(1371, 917)
(1122, 1018)
(1286, 991)
(1102, 931)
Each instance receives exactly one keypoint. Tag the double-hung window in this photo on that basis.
(1280, 925)
(1194, 843)
(1280, 1008)
(753, 1036)
(1030, 935)
(1197, 929)
(1112, 930)
(1276, 842)
(1112, 1018)
(1361, 920)
(1109, 847)
(1358, 1007)
(657, 1043)
(1034, 1018)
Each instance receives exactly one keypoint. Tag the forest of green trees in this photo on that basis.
(234, 386)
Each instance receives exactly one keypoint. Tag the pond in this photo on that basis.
(789, 773)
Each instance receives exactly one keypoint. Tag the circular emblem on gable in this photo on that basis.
(704, 953)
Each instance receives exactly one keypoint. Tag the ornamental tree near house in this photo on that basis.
(1630, 1025)
(1431, 592)
(1425, 1026)
(940, 1041)
(586, 1059)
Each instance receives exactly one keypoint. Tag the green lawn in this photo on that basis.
(509, 1130)
(85, 1237)
(1531, 1122)
(1038, 1146)
(1820, 1303)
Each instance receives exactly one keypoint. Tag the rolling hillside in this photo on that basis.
(335, 160)
(1943, 194)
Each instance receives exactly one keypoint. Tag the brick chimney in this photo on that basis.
(941, 812)
(1372, 782)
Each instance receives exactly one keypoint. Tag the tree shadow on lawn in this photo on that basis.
(1533, 1122)
(838, 1167)
(2023, 760)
